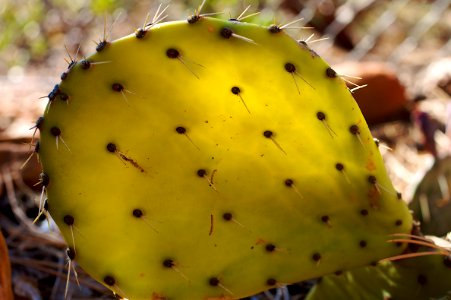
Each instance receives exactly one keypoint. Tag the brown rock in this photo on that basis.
(384, 99)
(13, 155)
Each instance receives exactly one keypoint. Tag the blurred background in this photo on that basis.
(400, 49)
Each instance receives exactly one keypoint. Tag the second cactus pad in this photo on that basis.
(424, 277)
(213, 159)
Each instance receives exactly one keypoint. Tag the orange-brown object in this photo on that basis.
(384, 99)
(13, 154)
(5, 272)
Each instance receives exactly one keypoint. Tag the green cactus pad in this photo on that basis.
(426, 277)
(431, 203)
(213, 159)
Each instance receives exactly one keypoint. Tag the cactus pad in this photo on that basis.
(426, 277)
(213, 159)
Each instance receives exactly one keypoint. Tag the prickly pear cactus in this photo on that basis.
(213, 159)
(425, 277)
(431, 203)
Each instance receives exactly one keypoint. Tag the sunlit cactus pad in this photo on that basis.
(213, 159)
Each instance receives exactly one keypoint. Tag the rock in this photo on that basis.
(384, 99)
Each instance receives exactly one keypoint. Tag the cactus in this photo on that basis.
(431, 203)
(423, 277)
(212, 159)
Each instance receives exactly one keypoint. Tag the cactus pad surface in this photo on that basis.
(427, 277)
(213, 159)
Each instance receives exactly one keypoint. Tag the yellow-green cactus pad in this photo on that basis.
(210, 159)
(426, 277)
